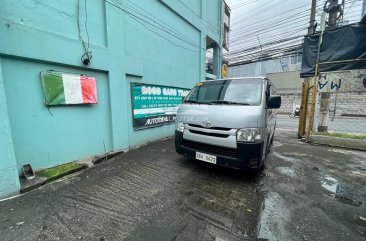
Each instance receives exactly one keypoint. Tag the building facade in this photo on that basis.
(118, 43)
(283, 64)
(347, 90)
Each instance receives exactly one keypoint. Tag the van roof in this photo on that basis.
(239, 78)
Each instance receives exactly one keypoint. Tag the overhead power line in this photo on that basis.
(145, 21)
(273, 44)
(263, 45)
(249, 41)
(243, 4)
(268, 55)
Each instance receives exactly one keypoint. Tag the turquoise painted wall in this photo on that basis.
(9, 181)
(54, 135)
(148, 41)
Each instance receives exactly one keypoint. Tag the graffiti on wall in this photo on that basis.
(325, 85)
(343, 81)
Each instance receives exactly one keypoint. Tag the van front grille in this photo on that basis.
(209, 134)
(211, 149)
(212, 128)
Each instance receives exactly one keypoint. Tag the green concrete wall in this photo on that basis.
(9, 181)
(130, 42)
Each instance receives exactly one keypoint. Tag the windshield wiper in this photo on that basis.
(227, 102)
(191, 101)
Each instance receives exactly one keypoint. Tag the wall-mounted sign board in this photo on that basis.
(155, 105)
(68, 89)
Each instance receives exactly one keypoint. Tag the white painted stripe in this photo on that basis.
(72, 89)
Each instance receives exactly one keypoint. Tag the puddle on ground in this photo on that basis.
(330, 184)
(357, 167)
(342, 193)
(339, 151)
(352, 152)
(286, 171)
(274, 209)
(350, 196)
(290, 159)
(277, 144)
(361, 168)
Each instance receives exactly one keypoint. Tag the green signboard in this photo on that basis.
(155, 105)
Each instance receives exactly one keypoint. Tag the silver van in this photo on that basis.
(228, 122)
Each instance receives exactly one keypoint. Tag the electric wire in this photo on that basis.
(277, 45)
(246, 33)
(163, 28)
(87, 55)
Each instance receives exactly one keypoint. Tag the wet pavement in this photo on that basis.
(306, 192)
(150, 193)
(312, 192)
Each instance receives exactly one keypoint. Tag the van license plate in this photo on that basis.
(205, 157)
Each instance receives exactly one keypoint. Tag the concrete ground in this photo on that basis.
(306, 192)
(313, 192)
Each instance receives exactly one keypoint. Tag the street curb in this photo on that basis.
(29, 185)
(102, 158)
(41, 178)
(349, 143)
(75, 166)
(61, 174)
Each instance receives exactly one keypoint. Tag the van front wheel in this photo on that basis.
(263, 166)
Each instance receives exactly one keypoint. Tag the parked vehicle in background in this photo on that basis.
(229, 122)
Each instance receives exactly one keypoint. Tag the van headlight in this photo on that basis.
(179, 126)
(250, 135)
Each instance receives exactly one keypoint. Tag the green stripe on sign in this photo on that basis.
(53, 88)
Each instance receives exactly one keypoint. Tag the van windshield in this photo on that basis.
(240, 92)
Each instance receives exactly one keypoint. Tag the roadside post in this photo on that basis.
(305, 85)
(315, 82)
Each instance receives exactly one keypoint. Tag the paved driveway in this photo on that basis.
(150, 193)
(306, 192)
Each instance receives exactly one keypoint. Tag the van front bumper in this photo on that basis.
(247, 156)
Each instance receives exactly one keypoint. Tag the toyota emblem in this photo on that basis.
(207, 124)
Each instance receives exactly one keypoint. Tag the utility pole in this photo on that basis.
(305, 84)
(323, 118)
(311, 28)
(333, 10)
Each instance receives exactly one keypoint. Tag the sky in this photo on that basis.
(256, 23)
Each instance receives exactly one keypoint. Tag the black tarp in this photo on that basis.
(339, 44)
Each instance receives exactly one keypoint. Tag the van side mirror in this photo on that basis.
(274, 102)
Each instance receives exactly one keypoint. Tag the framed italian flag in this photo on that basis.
(68, 89)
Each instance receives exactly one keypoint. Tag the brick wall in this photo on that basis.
(353, 103)
(289, 101)
(351, 96)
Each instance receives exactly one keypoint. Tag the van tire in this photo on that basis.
(262, 167)
(274, 130)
